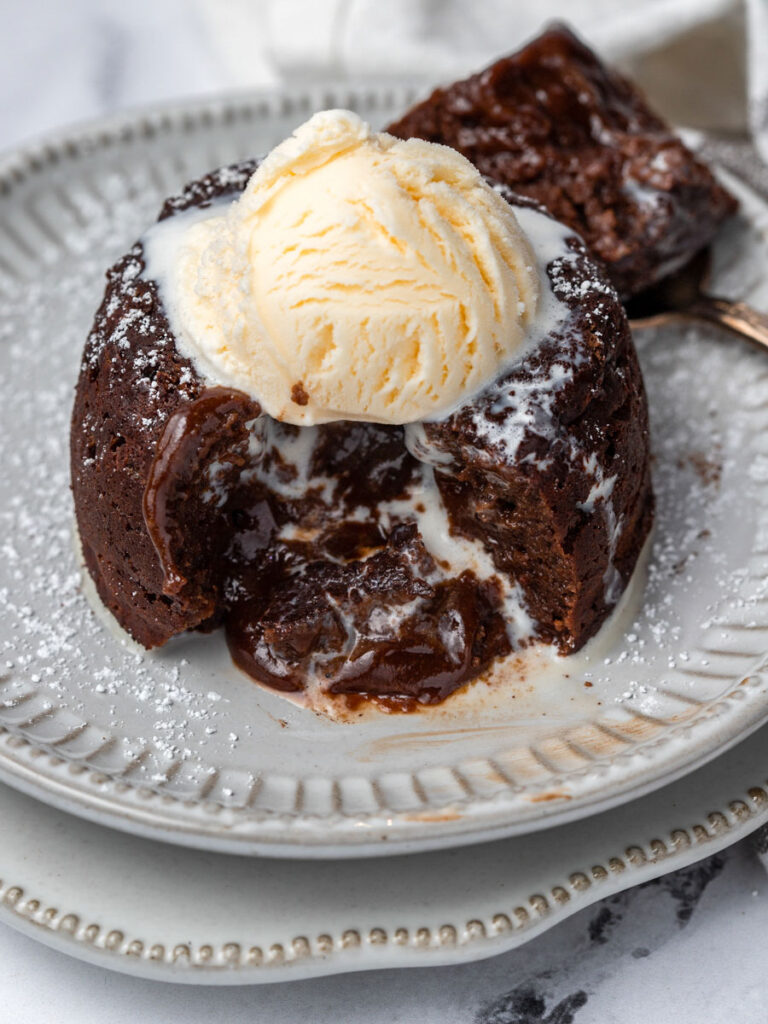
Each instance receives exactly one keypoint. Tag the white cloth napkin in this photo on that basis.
(703, 63)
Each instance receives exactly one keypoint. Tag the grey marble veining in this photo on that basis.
(684, 948)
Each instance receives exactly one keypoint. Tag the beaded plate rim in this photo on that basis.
(335, 951)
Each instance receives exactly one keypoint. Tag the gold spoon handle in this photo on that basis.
(734, 316)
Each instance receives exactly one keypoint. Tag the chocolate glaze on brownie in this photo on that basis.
(312, 546)
(554, 123)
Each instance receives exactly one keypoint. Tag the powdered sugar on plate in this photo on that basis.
(182, 722)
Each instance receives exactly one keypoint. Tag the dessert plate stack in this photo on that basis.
(579, 778)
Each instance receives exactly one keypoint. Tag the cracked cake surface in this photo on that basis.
(554, 123)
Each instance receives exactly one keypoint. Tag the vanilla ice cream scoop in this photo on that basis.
(359, 276)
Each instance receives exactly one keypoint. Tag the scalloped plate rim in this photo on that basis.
(86, 803)
(613, 869)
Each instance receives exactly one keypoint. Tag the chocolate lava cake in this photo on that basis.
(555, 124)
(309, 545)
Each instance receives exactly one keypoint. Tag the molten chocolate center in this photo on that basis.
(315, 584)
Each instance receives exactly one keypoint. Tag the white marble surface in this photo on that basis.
(684, 949)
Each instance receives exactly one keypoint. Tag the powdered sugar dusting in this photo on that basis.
(577, 309)
(185, 722)
(47, 622)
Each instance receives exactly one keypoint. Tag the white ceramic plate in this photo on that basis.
(180, 745)
(153, 910)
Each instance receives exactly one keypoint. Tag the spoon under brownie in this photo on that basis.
(682, 296)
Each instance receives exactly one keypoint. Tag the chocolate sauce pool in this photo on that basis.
(319, 583)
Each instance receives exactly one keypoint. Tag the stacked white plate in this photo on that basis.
(395, 840)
